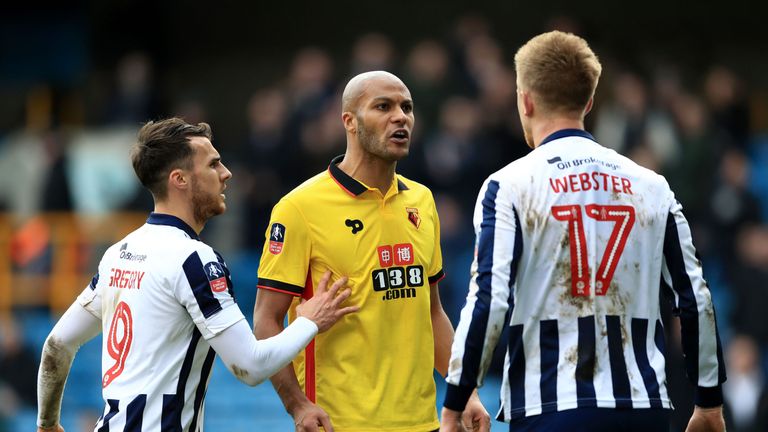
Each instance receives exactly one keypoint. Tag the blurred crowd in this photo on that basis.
(701, 129)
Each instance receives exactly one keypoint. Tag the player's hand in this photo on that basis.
(450, 421)
(706, 420)
(56, 428)
(310, 417)
(475, 418)
(324, 307)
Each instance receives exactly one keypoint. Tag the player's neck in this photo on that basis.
(547, 126)
(185, 213)
(368, 169)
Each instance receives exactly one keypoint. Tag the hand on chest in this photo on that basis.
(387, 251)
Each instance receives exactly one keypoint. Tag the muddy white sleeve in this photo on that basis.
(75, 327)
(253, 361)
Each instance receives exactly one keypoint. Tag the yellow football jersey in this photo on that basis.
(373, 370)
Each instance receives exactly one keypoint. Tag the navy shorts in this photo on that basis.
(596, 420)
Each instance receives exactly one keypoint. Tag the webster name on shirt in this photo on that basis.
(591, 180)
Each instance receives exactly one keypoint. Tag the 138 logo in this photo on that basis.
(398, 278)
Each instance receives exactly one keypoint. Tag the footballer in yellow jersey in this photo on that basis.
(373, 371)
(359, 219)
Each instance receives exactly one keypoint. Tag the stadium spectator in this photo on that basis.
(429, 76)
(630, 123)
(745, 393)
(749, 283)
(700, 147)
(724, 93)
(18, 367)
(372, 51)
(265, 160)
(732, 206)
(134, 97)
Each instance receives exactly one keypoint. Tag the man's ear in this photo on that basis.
(350, 121)
(528, 105)
(589, 106)
(178, 179)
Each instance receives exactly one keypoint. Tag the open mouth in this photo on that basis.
(400, 135)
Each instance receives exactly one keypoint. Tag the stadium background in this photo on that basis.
(684, 92)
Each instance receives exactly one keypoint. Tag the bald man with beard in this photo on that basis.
(360, 219)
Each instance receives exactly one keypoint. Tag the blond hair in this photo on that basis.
(560, 70)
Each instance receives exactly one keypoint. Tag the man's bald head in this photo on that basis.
(357, 86)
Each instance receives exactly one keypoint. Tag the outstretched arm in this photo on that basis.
(76, 327)
(252, 361)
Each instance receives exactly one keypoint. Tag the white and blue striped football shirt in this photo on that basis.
(573, 244)
(161, 293)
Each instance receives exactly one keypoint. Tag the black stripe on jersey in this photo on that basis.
(476, 333)
(114, 408)
(639, 343)
(686, 307)
(171, 417)
(550, 351)
(619, 375)
(436, 277)
(280, 286)
(516, 371)
(171, 420)
(401, 186)
(174, 403)
(94, 281)
(658, 339)
(201, 288)
(516, 253)
(202, 386)
(586, 362)
(515, 340)
(134, 414)
(688, 312)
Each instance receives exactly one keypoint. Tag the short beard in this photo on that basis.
(370, 144)
(366, 139)
(203, 207)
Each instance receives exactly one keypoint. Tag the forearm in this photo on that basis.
(443, 335)
(284, 381)
(268, 320)
(287, 387)
(252, 361)
(51, 377)
(75, 327)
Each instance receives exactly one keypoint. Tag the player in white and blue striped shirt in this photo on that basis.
(574, 243)
(164, 301)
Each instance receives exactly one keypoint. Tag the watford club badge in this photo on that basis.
(413, 216)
